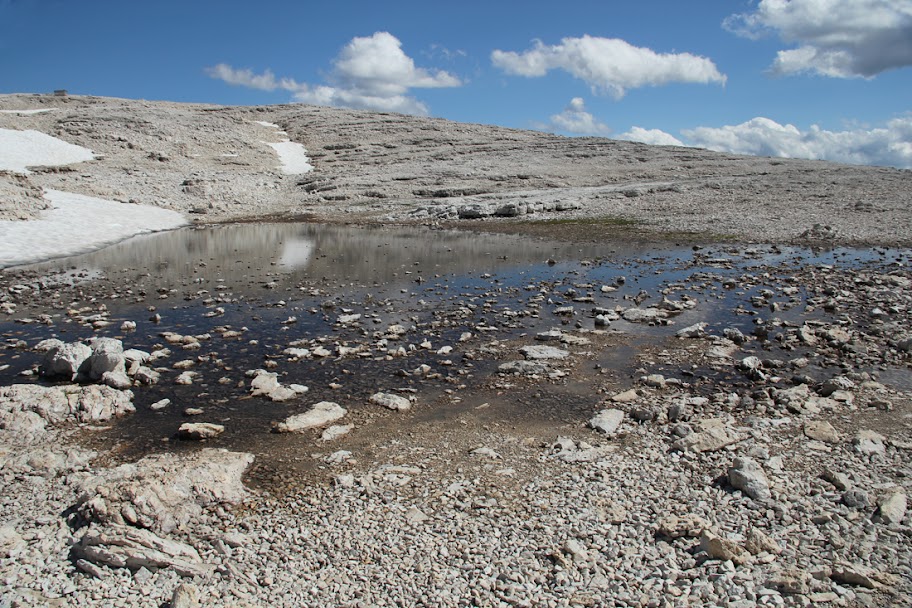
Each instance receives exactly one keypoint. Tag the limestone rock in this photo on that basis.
(723, 549)
(121, 546)
(267, 384)
(335, 431)
(69, 403)
(116, 379)
(869, 443)
(11, 543)
(821, 430)
(185, 595)
(317, 416)
(697, 330)
(199, 430)
(524, 368)
(791, 581)
(107, 356)
(163, 492)
(746, 475)
(856, 499)
(677, 526)
(65, 360)
(543, 352)
(861, 576)
(627, 396)
(607, 421)
(643, 315)
(759, 542)
(891, 508)
(711, 435)
(146, 375)
(390, 401)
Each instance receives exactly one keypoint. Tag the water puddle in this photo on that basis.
(439, 311)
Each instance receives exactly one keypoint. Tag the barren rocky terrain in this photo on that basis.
(212, 162)
(684, 378)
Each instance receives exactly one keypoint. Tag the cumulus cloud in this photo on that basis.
(371, 72)
(889, 146)
(654, 137)
(836, 38)
(576, 121)
(247, 78)
(608, 65)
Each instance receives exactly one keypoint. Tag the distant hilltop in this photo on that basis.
(218, 163)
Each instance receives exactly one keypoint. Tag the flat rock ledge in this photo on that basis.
(164, 492)
(69, 403)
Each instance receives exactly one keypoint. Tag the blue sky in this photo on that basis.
(810, 78)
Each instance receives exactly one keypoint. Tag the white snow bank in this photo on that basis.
(77, 224)
(293, 156)
(26, 112)
(22, 149)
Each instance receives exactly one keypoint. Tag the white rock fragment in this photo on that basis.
(541, 352)
(11, 543)
(746, 475)
(199, 430)
(891, 507)
(160, 405)
(644, 315)
(486, 452)
(607, 421)
(336, 431)
(390, 401)
(317, 416)
(869, 443)
(697, 330)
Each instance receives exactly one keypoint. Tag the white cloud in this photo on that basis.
(890, 145)
(246, 78)
(369, 73)
(837, 38)
(576, 120)
(608, 65)
(654, 137)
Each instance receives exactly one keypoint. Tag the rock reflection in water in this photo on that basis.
(242, 252)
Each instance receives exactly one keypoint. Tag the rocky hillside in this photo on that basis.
(214, 163)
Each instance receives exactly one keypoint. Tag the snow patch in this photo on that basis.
(293, 156)
(27, 112)
(78, 224)
(22, 149)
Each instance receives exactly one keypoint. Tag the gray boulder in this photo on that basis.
(107, 356)
(65, 360)
(607, 421)
(163, 492)
(746, 475)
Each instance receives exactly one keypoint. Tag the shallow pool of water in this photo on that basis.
(284, 284)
